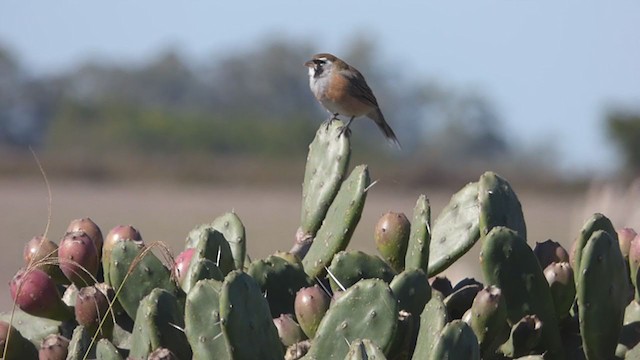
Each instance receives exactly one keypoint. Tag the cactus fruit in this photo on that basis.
(455, 230)
(105, 350)
(548, 252)
(411, 289)
(634, 265)
(456, 341)
(488, 319)
(79, 259)
(340, 222)
(162, 354)
(327, 163)
(507, 261)
(181, 265)
(349, 267)
(367, 310)
(279, 280)
(602, 294)
(417, 256)
(54, 347)
(625, 236)
(36, 293)
(392, 238)
(117, 234)
(288, 330)
(461, 298)
(13, 345)
(244, 314)
(42, 252)
(159, 323)
(87, 226)
(499, 205)
(147, 273)
(364, 349)
(202, 321)
(593, 224)
(525, 336)
(90, 308)
(310, 305)
(563, 290)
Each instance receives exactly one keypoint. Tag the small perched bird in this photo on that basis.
(342, 90)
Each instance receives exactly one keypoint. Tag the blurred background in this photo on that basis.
(164, 116)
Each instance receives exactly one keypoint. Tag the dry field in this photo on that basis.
(165, 212)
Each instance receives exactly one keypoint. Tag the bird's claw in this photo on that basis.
(344, 130)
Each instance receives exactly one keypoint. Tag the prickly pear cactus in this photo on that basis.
(349, 267)
(232, 229)
(80, 344)
(455, 230)
(602, 294)
(488, 319)
(202, 321)
(525, 336)
(340, 222)
(499, 205)
(327, 164)
(147, 273)
(200, 269)
(105, 350)
(432, 320)
(456, 341)
(506, 260)
(159, 323)
(593, 224)
(411, 288)
(367, 310)
(14, 346)
(245, 316)
(279, 280)
(211, 244)
(364, 349)
(417, 256)
(310, 306)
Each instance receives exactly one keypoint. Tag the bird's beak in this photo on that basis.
(309, 64)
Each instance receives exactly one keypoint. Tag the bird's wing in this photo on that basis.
(359, 89)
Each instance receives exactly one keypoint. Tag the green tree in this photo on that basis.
(624, 129)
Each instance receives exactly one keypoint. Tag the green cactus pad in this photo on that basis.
(341, 220)
(202, 321)
(412, 289)
(432, 321)
(209, 243)
(349, 267)
(327, 164)
(593, 224)
(147, 274)
(18, 347)
(509, 263)
(456, 341)
(455, 230)
(364, 350)
(602, 294)
(200, 269)
(367, 310)
(279, 280)
(499, 205)
(34, 328)
(159, 323)
(232, 229)
(105, 350)
(418, 250)
(524, 337)
(246, 319)
(460, 300)
(79, 344)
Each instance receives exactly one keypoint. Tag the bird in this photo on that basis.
(342, 90)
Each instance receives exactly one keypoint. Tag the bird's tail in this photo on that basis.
(377, 116)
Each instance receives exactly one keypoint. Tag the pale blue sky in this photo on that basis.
(551, 68)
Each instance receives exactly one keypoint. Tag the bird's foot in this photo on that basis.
(328, 122)
(344, 130)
